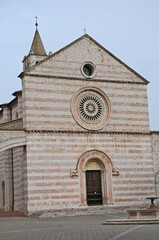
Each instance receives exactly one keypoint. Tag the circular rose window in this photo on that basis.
(91, 108)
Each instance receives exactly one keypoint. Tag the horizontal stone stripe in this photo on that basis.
(62, 67)
(51, 124)
(116, 141)
(52, 143)
(131, 168)
(55, 145)
(44, 198)
(57, 183)
(55, 188)
(132, 181)
(112, 89)
(135, 176)
(72, 192)
(48, 178)
(61, 114)
(55, 148)
(138, 154)
(127, 187)
(67, 84)
(109, 75)
(54, 97)
(63, 92)
(127, 200)
(139, 194)
(118, 163)
(66, 103)
(57, 152)
(117, 112)
(56, 110)
(38, 207)
(65, 170)
(49, 109)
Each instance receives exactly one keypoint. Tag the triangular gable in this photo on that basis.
(113, 68)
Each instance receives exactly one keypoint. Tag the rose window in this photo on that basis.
(91, 108)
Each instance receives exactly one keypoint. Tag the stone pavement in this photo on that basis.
(74, 228)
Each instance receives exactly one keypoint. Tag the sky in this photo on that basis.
(127, 28)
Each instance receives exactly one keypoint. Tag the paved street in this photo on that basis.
(73, 228)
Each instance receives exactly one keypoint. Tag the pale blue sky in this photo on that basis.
(127, 28)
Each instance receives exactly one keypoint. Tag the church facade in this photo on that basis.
(77, 134)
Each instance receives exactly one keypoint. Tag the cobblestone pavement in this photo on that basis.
(73, 228)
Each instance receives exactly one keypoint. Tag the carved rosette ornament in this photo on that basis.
(91, 108)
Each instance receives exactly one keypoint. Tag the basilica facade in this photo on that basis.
(77, 134)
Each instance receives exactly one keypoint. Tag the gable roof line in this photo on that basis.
(99, 45)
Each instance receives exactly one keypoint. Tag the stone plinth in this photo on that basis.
(143, 213)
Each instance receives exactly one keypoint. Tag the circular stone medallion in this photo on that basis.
(91, 108)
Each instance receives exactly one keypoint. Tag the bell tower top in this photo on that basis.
(37, 47)
(37, 51)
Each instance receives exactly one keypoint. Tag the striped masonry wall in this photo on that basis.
(6, 176)
(2, 177)
(51, 157)
(18, 178)
(47, 104)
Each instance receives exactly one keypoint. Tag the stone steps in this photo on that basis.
(131, 221)
(7, 214)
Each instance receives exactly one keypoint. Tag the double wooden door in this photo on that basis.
(93, 184)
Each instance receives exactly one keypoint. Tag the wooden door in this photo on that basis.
(93, 184)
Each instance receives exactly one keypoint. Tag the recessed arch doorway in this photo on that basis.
(95, 171)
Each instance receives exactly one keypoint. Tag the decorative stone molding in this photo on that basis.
(115, 172)
(23, 74)
(86, 132)
(74, 173)
(103, 163)
(10, 139)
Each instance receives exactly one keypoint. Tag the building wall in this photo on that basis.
(6, 176)
(51, 157)
(13, 111)
(18, 177)
(5, 115)
(47, 99)
(47, 104)
(155, 153)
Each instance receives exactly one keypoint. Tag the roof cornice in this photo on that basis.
(23, 74)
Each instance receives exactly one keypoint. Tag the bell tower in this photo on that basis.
(37, 51)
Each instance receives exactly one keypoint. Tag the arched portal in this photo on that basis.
(95, 171)
(3, 195)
